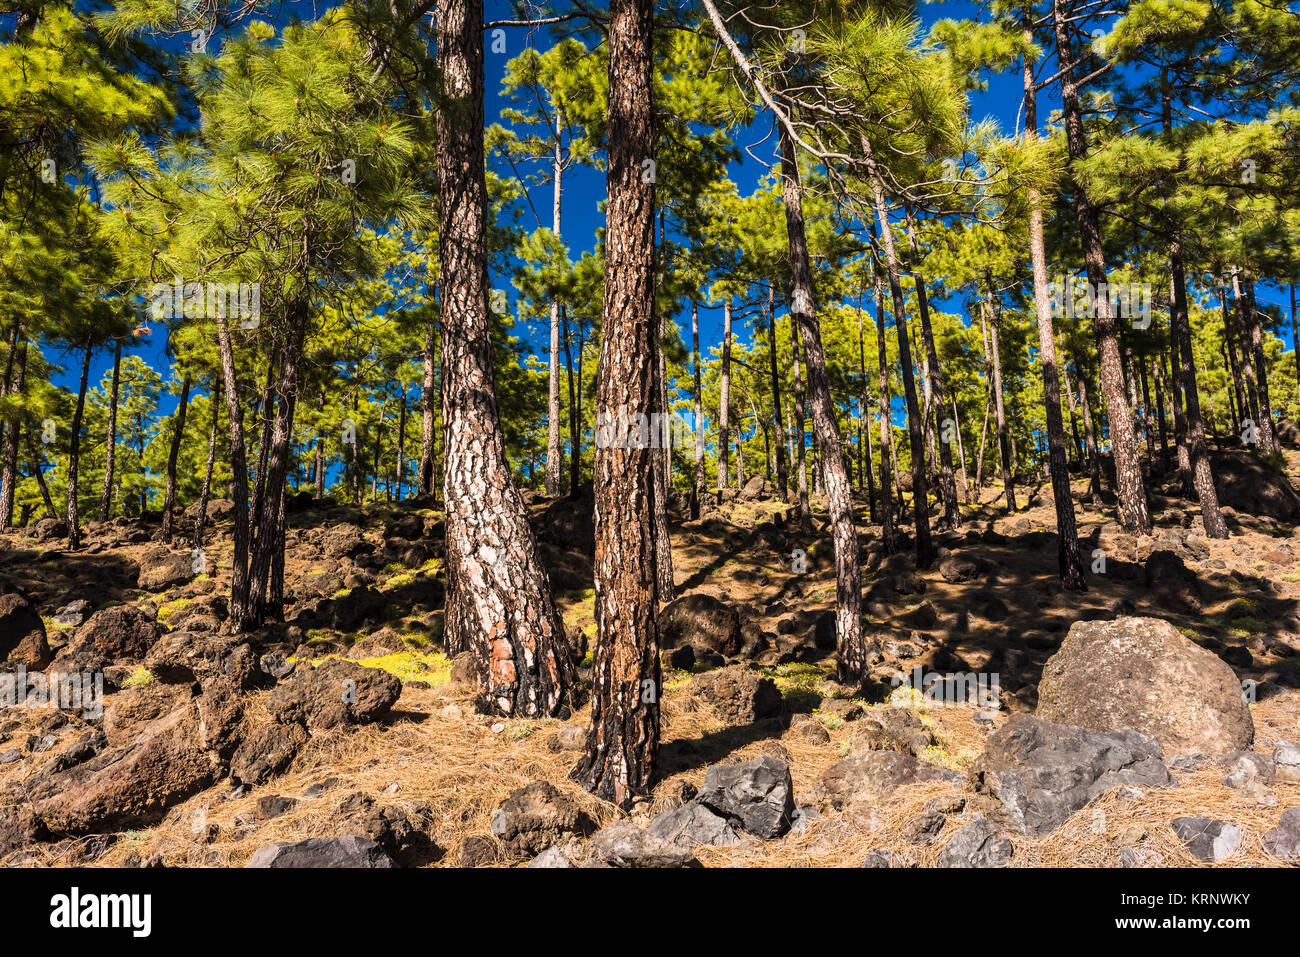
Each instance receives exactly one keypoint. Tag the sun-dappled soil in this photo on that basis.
(451, 768)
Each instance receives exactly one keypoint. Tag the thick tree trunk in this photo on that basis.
(1133, 513)
(499, 604)
(624, 739)
(173, 453)
(724, 395)
(74, 451)
(854, 652)
(1069, 561)
(110, 444)
(920, 499)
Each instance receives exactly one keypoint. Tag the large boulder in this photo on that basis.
(1043, 772)
(738, 695)
(22, 634)
(1248, 484)
(978, 844)
(120, 632)
(162, 571)
(350, 850)
(1143, 674)
(701, 621)
(133, 785)
(693, 824)
(758, 795)
(336, 692)
(187, 657)
(623, 844)
(266, 752)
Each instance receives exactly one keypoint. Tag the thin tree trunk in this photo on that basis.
(428, 397)
(724, 395)
(624, 739)
(169, 498)
(575, 411)
(1069, 561)
(110, 444)
(854, 652)
(201, 519)
(864, 422)
(238, 609)
(781, 480)
(499, 604)
(662, 453)
(35, 457)
(1089, 435)
(401, 445)
(800, 444)
(9, 477)
(74, 450)
(1133, 513)
(920, 503)
(995, 357)
(888, 531)
(553, 453)
(697, 488)
(1250, 323)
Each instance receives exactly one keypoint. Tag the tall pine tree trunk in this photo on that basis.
(429, 401)
(9, 473)
(1254, 347)
(781, 480)
(110, 444)
(724, 395)
(1069, 560)
(888, 531)
(74, 452)
(624, 739)
(800, 441)
(201, 518)
(999, 406)
(173, 453)
(553, 454)
(697, 488)
(854, 652)
(499, 604)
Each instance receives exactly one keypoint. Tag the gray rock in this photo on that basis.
(349, 850)
(978, 844)
(1247, 767)
(1140, 857)
(759, 794)
(10, 756)
(1044, 772)
(1283, 841)
(1286, 758)
(1187, 762)
(551, 857)
(693, 824)
(623, 844)
(1206, 838)
(877, 857)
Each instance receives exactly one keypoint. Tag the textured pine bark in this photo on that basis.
(697, 488)
(800, 440)
(429, 400)
(999, 403)
(888, 531)
(499, 603)
(661, 465)
(239, 476)
(854, 653)
(1133, 512)
(782, 481)
(1255, 347)
(110, 444)
(624, 738)
(553, 453)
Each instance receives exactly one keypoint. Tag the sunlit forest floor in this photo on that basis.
(450, 768)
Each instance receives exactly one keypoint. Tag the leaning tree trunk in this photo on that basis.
(169, 498)
(854, 652)
(915, 427)
(938, 389)
(1133, 513)
(1069, 560)
(1181, 329)
(39, 475)
(238, 608)
(724, 395)
(624, 739)
(74, 454)
(499, 604)
(110, 445)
